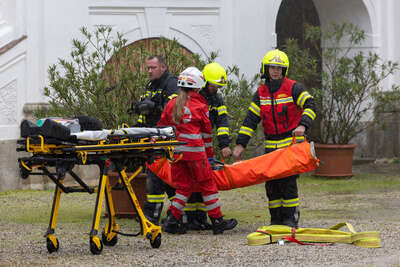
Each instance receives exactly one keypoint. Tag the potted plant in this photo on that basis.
(351, 82)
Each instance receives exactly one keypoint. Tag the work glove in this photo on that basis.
(146, 106)
(211, 161)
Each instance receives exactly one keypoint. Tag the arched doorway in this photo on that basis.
(290, 23)
(176, 56)
(127, 67)
(292, 17)
(125, 74)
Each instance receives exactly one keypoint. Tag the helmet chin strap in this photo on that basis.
(274, 85)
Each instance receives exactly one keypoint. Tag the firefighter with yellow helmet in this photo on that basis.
(285, 109)
(216, 78)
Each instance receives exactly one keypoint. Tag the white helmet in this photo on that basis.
(191, 78)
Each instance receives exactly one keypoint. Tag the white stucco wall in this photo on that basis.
(12, 68)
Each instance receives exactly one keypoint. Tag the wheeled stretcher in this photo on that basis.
(103, 148)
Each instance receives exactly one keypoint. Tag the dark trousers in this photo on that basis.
(156, 190)
(283, 200)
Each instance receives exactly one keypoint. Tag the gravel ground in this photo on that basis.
(23, 247)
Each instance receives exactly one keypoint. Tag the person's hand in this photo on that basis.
(299, 131)
(237, 151)
(226, 152)
(211, 161)
(146, 106)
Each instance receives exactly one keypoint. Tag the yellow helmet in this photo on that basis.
(275, 58)
(215, 74)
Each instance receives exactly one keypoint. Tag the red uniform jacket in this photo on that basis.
(194, 128)
(287, 114)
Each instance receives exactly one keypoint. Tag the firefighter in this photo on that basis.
(215, 77)
(285, 110)
(190, 115)
(160, 89)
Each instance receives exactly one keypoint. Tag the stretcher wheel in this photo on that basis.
(157, 242)
(110, 243)
(96, 245)
(24, 173)
(52, 247)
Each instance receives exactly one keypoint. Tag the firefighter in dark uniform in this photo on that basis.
(161, 88)
(215, 77)
(285, 110)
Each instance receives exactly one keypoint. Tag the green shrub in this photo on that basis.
(105, 75)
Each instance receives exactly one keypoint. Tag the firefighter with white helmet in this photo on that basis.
(285, 109)
(190, 115)
(215, 78)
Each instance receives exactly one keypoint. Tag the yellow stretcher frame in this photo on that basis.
(64, 156)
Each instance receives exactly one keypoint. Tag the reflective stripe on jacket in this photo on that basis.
(194, 127)
(278, 111)
(218, 117)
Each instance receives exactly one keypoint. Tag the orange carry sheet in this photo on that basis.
(295, 159)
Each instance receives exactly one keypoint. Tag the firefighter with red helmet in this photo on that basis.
(190, 115)
(285, 109)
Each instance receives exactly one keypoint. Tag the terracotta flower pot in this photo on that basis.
(122, 204)
(336, 160)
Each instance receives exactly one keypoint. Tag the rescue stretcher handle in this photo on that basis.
(219, 162)
(122, 146)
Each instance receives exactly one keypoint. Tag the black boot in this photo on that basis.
(276, 216)
(203, 219)
(191, 222)
(152, 211)
(197, 220)
(291, 216)
(172, 225)
(220, 225)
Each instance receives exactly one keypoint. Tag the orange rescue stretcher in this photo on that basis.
(295, 159)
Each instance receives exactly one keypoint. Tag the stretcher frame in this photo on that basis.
(116, 150)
